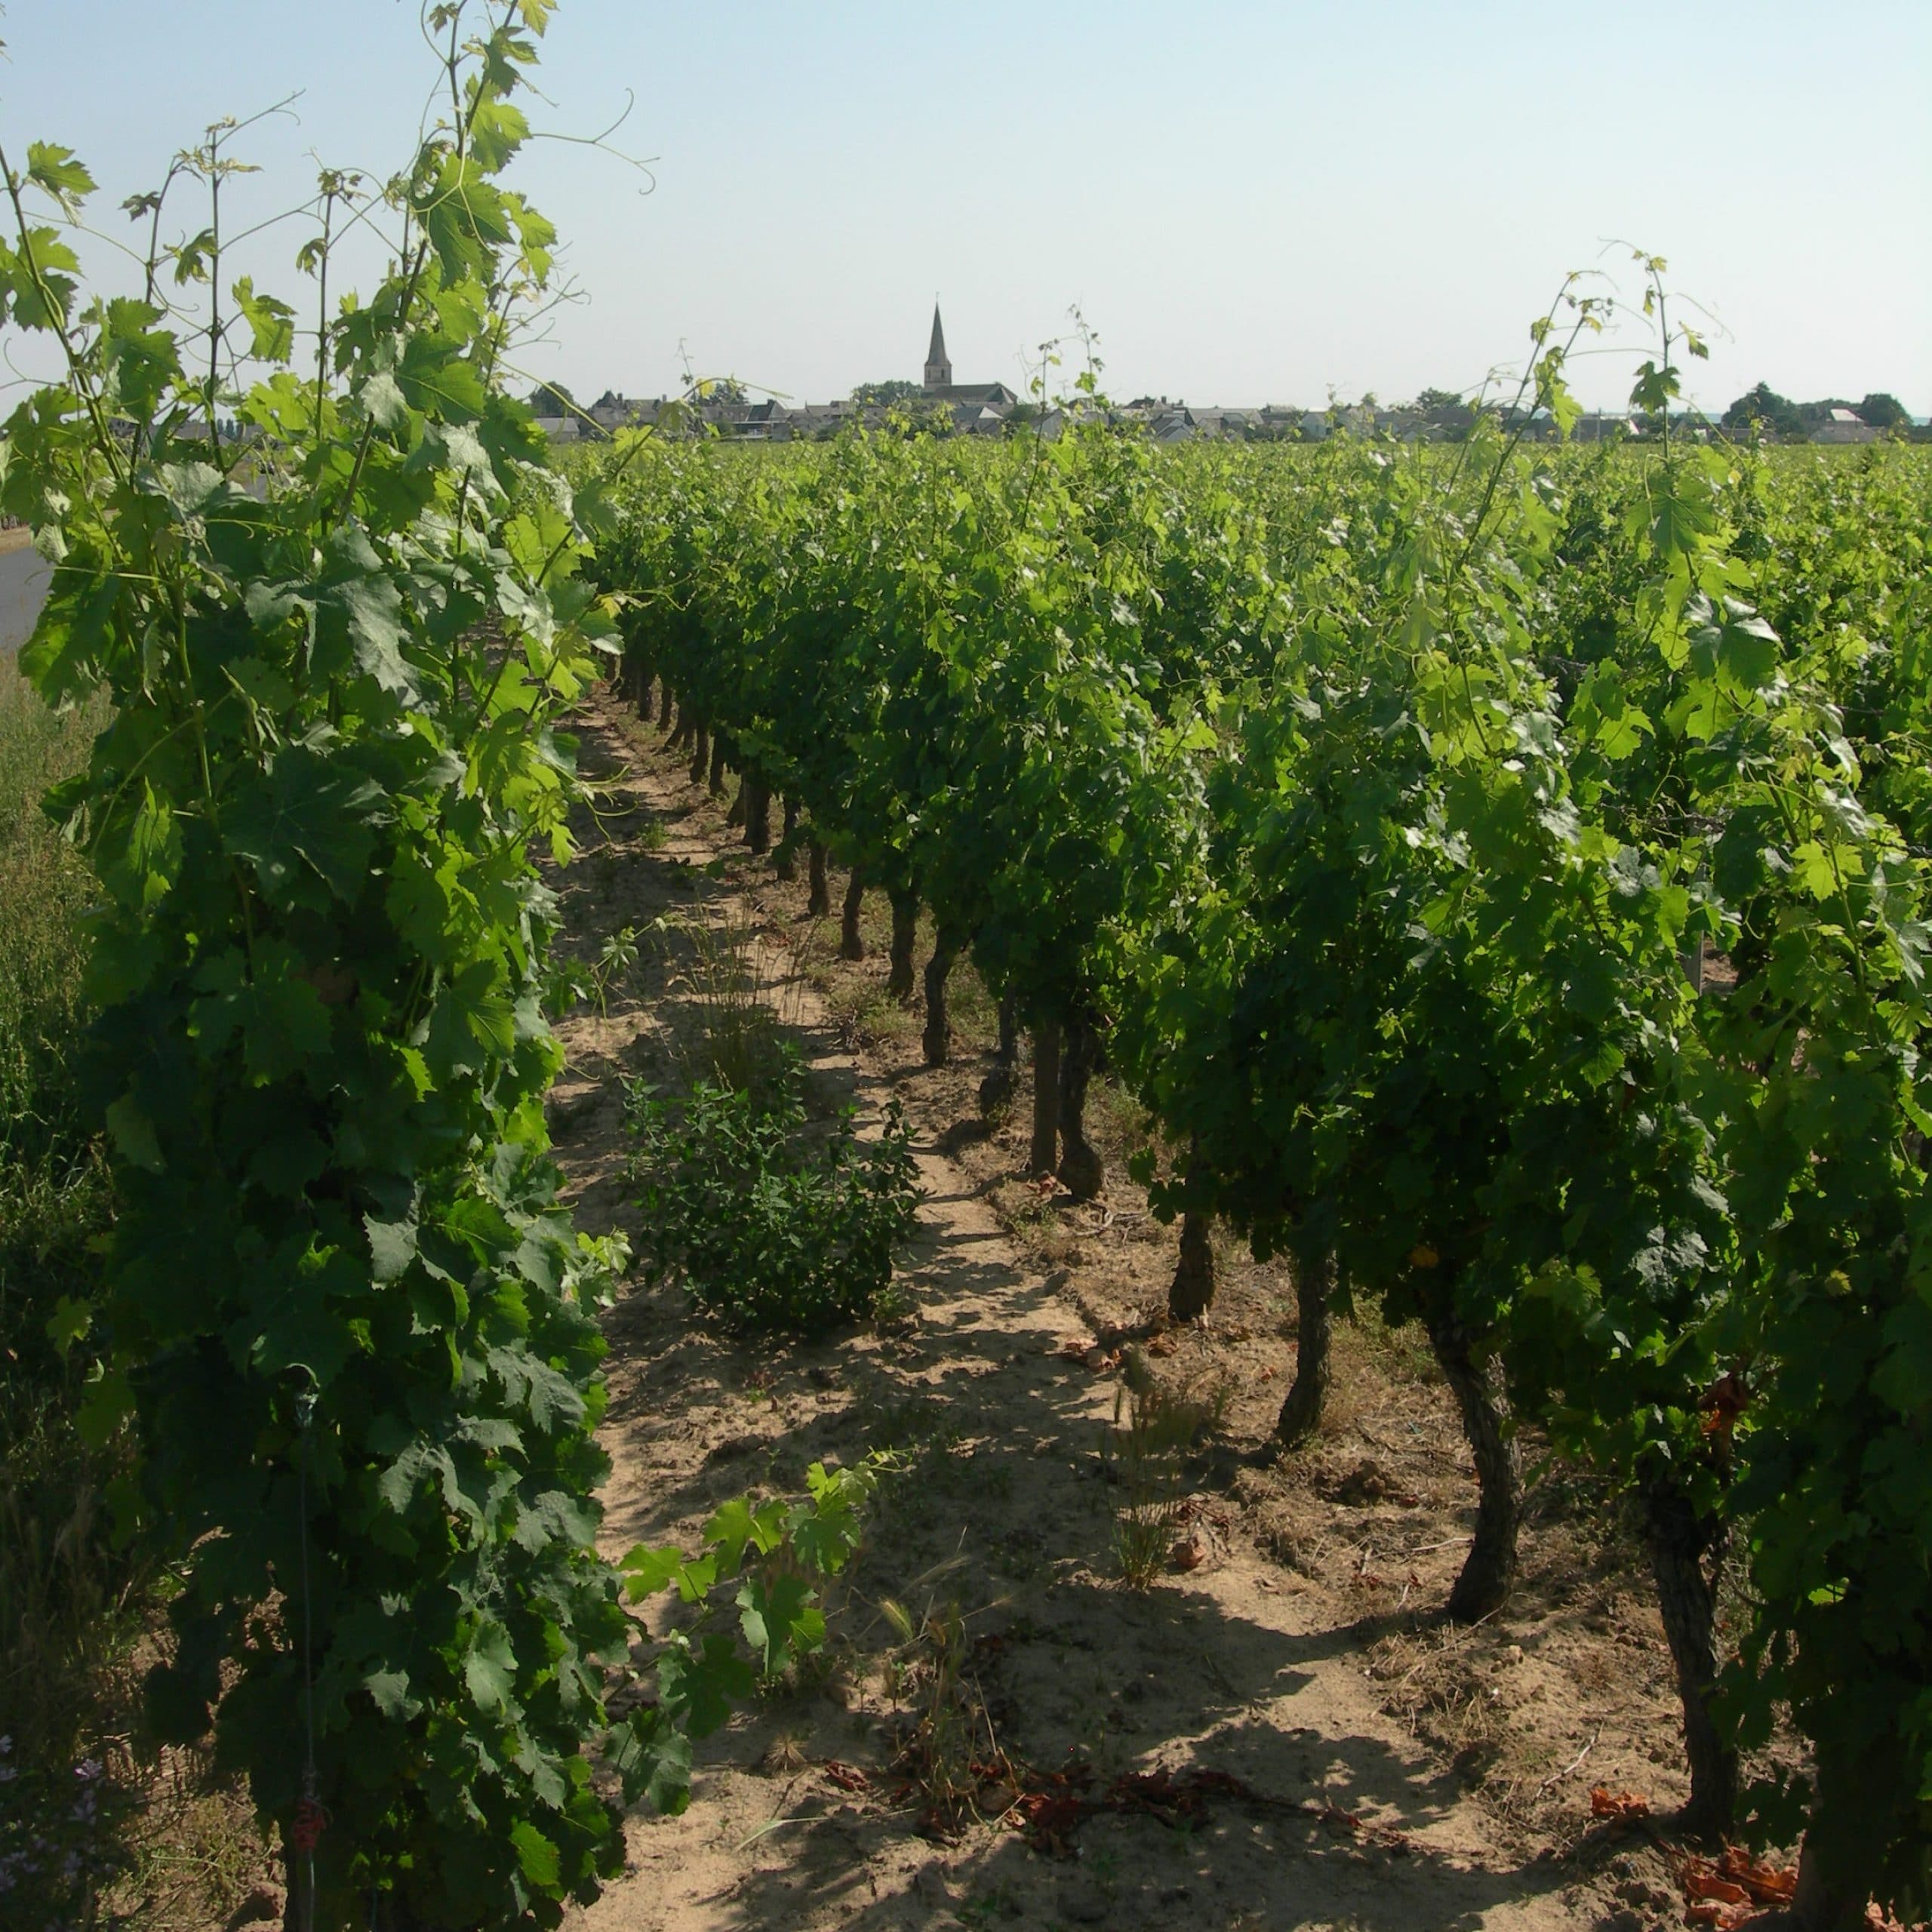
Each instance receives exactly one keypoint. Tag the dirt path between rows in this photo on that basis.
(1274, 1660)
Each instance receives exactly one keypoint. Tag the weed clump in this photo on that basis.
(771, 1229)
(1155, 1429)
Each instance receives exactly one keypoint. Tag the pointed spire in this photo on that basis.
(938, 370)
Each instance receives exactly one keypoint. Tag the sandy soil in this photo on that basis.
(1374, 1767)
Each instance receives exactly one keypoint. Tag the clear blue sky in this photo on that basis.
(1250, 201)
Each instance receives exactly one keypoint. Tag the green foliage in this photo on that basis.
(68, 1596)
(1883, 411)
(898, 389)
(45, 889)
(727, 978)
(60, 1836)
(553, 399)
(1763, 407)
(1503, 866)
(772, 1560)
(344, 1327)
(772, 1230)
(1447, 410)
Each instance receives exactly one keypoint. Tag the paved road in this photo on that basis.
(23, 591)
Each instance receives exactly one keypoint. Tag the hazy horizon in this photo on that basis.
(1250, 203)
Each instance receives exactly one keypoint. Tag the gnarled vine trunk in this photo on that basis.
(851, 941)
(1828, 1897)
(1489, 1571)
(720, 748)
(1307, 1394)
(667, 704)
(937, 1038)
(735, 817)
(1044, 1155)
(905, 930)
(997, 1090)
(818, 895)
(788, 843)
(1682, 1543)
(758, 813)
(700, 754)
(681, 735)
(1191, 1293)
(1081, 1169)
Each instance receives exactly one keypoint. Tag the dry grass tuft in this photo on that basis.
(1155, 1429)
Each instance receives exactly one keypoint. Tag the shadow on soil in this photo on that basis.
(998, 1435)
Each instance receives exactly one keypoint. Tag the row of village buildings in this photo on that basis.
(991, 412)
(990, 409)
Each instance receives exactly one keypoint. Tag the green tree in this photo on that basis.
(1813, 414)
(888, 393)
(1883, 411)
(553, 399)
(1446, 410)
(1763, 408)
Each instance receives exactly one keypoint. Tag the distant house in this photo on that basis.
(812, 420)
(1844, 425)
(981, 395)
(1275, 423)
(1235, 423)
(767, 422)
(980, 419)
(611, 411)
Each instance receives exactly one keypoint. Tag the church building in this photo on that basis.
(938, 364)
(975, 406)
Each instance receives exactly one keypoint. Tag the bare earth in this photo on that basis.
(1383, 1771)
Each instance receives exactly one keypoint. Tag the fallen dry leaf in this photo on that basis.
(1737, 1878)
(1708, 1885)
(1877, 1919)
(1725, 1918)
(1624, 1804)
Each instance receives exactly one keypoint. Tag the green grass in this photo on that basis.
(44, 888)
(68, 1601)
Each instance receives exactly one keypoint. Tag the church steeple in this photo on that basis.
(939, 371)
